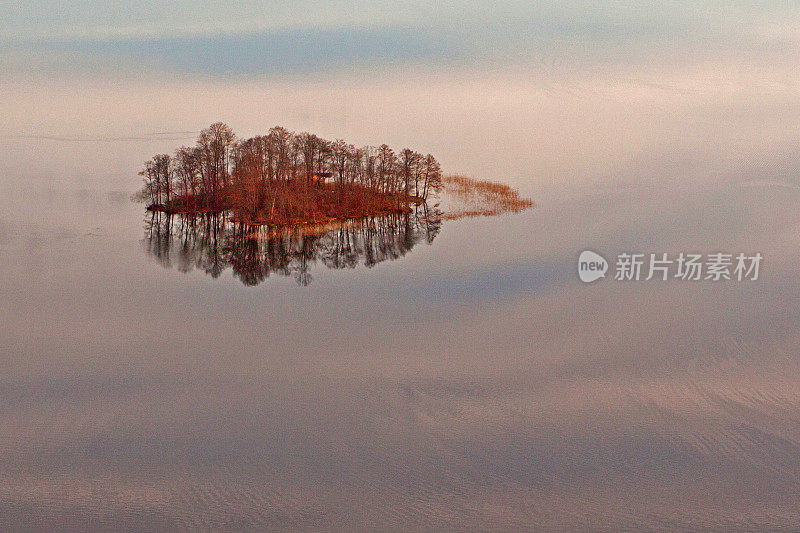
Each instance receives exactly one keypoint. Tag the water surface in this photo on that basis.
(471, 382)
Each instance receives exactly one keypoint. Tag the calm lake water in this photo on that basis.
(470, 381)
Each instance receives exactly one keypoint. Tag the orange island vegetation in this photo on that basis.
(284, 179)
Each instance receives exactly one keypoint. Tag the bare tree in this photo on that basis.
(215, 143)
(409, 161)
(432, 176)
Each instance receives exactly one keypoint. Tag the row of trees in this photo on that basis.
(283, 159)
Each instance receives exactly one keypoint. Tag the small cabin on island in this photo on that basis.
(321, 177)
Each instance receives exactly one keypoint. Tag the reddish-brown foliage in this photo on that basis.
(284, 178)
(293, 203)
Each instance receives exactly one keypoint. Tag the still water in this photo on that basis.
(461, 377)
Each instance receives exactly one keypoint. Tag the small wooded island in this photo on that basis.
(287, 179)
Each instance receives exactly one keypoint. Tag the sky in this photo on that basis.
(544, 93)
(248, 38)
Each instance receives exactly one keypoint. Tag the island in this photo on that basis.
(289, 179)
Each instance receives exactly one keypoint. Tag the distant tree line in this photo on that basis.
(260, 167)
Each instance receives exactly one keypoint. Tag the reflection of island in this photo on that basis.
(213, 243)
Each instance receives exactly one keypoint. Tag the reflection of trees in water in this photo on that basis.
(213, 243)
